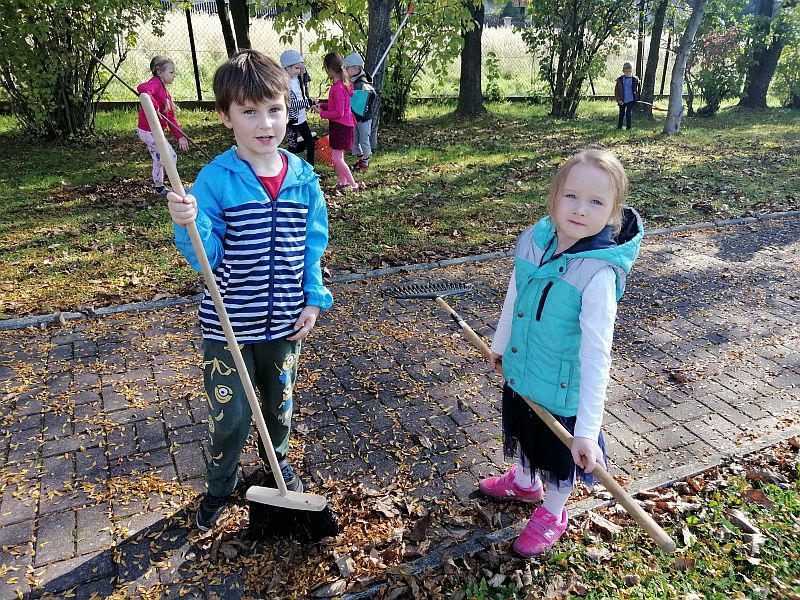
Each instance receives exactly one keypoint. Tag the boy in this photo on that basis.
(626, 93)
(362, 147)
(264, 225)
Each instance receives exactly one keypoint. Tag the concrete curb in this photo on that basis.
(42, 320)
(481, 542)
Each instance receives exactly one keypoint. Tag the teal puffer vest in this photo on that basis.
(542, 358)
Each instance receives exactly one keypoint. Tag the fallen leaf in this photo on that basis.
(330, 589)
(346, 565)
(603, 526)
(420, 529)
(683, 564)
(738, 518)
(597, 554)
(760, 498)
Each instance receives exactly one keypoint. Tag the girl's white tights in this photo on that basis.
(524, 480)
(345, 176)
(555, 499)
(158, 168)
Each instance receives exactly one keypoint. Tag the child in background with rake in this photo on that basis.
(342, 123)
(163, 70)
(264, 225)
(292, 61)
(553, 340)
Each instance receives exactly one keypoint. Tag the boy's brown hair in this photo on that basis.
(605, 161)
(250, 76)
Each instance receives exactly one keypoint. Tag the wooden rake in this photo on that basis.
(437, 291)
(316, 521)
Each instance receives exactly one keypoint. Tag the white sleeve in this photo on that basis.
(598, 313)
(503, 332)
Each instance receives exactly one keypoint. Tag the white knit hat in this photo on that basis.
(290, 57)
(354, 60)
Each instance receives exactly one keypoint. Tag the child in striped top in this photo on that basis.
(263, 221)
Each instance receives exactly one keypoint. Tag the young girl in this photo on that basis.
(337, 111)
(292, 61)
(553, 340)
(163, 70)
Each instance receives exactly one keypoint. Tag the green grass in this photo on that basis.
(79, 226)
(715, 558)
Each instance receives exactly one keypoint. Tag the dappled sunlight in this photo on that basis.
(438, 187)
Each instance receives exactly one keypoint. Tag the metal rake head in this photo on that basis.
(425, 290)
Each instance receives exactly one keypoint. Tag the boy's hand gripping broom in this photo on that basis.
(437, 291)
(273, 512)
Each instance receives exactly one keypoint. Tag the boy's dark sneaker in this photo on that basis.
(210, 509)
(362, 164)
(290, 478)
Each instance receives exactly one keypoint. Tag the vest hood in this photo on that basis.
(621, 250)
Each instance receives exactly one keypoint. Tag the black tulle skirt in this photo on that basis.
(527, 437)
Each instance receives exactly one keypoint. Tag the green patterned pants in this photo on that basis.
(272, 367)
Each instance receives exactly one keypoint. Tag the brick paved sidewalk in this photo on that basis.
(706, 362)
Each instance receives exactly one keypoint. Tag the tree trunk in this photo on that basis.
(765, 60)
(241, 23)
(227, 32)
(380, 33)
(470, 97)
(640, 40)
(675, 110)
(649, 81)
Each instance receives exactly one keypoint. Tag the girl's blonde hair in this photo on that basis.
(158, 63)
(334, 63)
(606, 162)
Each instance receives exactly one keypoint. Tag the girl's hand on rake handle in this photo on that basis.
(182, 210)
(183, 144)
(586, 453)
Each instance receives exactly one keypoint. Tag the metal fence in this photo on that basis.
(518, 73)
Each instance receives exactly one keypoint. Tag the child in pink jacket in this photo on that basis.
(342, 123)
(163, 70)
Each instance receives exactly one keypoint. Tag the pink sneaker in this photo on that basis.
(504, 486)
(541, 532)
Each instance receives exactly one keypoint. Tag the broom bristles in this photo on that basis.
(268, 521)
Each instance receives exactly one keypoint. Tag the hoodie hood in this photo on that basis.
(299, 172)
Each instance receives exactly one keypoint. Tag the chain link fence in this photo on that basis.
(517, 74)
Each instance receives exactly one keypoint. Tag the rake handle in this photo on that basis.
(211, 284)
(633, 508)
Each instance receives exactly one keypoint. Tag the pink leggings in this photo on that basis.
(345, 176)
(158, 168)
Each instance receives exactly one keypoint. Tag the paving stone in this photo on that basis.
(189, 460)
(55, 539)
(670, 438)
(94, 528)
(16, 505)
(14, 583)
(691, 409)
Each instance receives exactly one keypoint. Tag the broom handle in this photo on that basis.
(633, 508)
(211, 284)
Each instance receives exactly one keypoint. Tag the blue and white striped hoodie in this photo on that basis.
(265, 253)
